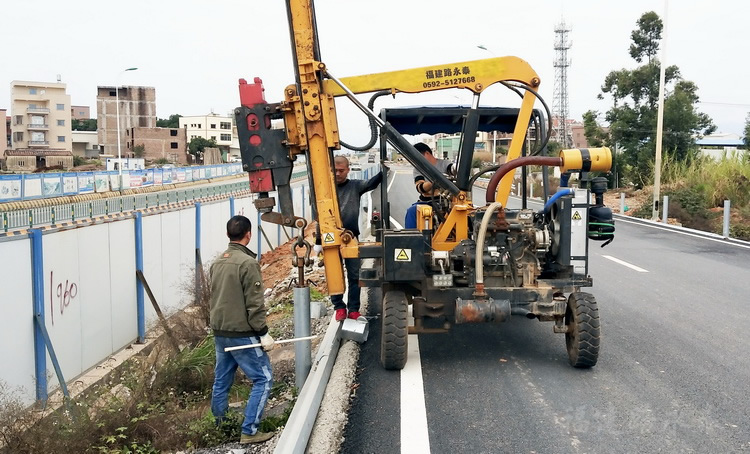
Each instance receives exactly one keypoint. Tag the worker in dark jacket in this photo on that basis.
(349, 193)
(238, 317)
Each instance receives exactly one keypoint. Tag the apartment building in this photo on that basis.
(4, 130)
(40, 115)
(211, 126)
(80, 112)
(137, 110)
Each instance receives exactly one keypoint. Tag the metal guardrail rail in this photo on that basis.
(34, 217)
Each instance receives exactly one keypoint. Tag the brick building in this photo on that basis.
(80, 112)
(137, 110)
(159, 143)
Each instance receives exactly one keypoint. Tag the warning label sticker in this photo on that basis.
(403, 255)
(328, 238)
(576, 216)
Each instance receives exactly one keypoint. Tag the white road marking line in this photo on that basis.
(396, 224)
(624, 263)
(392, 180)
(718, 240)
(414, 435)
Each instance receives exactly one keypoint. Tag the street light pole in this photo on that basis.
(117, 115)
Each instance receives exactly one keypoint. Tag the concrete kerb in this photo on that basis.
(677, 228)
(317, 422)
(297, 431)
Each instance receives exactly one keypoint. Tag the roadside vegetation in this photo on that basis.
(157, 401)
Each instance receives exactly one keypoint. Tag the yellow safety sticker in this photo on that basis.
(403, 255)
(576, 216)
(328, 238)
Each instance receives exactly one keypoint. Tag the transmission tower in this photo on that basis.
(560, 111)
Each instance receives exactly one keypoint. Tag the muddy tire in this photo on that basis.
(584, 332)
(394, 331)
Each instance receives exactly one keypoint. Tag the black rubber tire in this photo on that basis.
(394, 331)
(582, 340)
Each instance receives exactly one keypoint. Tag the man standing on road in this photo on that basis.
(349, 193)
(238, 317)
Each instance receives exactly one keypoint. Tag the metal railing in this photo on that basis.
(37, 110)
(35, 217)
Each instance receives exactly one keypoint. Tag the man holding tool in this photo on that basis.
(238, 317)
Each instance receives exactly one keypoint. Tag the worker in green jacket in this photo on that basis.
(238, 317)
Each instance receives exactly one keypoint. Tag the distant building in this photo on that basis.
(159, 143)
(86, 144)
(211, 126)
(28, 160)
(80, 112)
(40, 116)
(127, 163)
(137, 110)
(720, 144)
(4, 130)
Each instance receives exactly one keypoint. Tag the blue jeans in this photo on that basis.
(352, 276)
(255, 364)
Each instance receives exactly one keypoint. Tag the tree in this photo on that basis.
(83, 125)
(595, 135)
(635, 94)
(172, 122)
(139, 150)
(746, 139)
(198, 144)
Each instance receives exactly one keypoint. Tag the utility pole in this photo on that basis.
(660, 119)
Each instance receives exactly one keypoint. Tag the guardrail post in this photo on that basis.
(726, 218)
(140, 308)
(257, 230)
(231, 206)
(665, 210)
(40, 351)
(197, 250)
(622, 203)
(302, 350)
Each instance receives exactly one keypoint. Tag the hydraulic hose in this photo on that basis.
(557, 195)
(518, 162)
(479, 267)
(373, 125)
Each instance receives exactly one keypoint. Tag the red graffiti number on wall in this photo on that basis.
(62, 295)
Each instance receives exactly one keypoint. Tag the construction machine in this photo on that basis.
(467, 261)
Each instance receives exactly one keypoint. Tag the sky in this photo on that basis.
(193, 52)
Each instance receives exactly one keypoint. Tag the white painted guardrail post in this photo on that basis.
(622, 203)
(726, 218)
(665, 209)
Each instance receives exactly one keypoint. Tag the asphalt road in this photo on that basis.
(673, 372)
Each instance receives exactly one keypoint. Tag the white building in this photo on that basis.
(212, 126)
(127, 163)
(85, 144)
